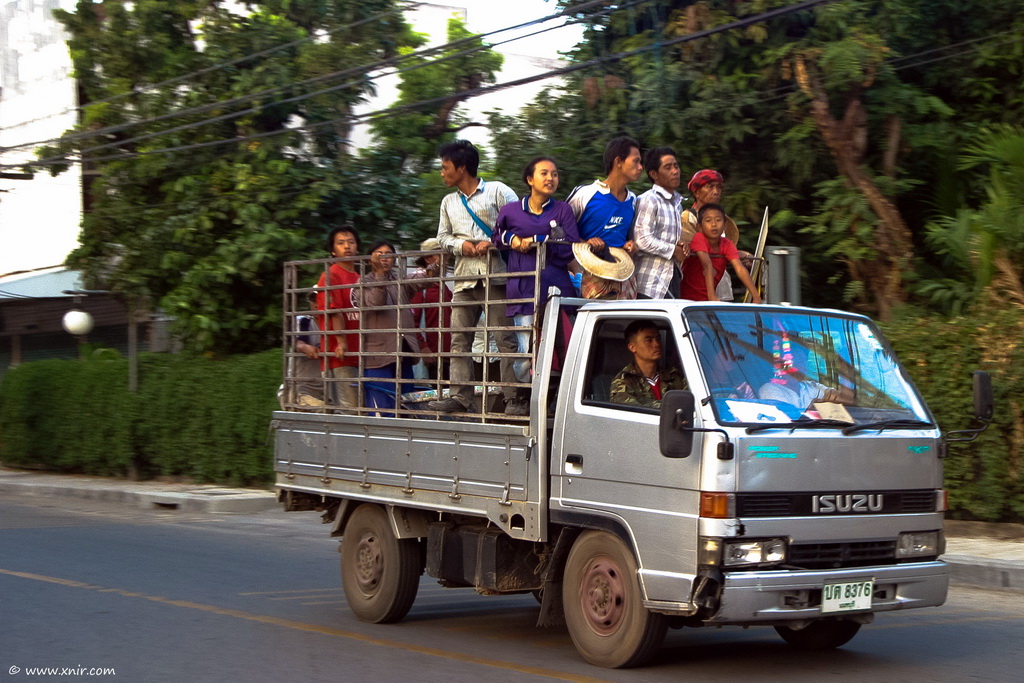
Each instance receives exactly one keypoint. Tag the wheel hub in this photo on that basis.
(603, 596)
(369, 564)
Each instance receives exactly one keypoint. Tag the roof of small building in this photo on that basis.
(47, 283)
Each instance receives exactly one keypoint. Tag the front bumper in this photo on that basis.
(762, 597)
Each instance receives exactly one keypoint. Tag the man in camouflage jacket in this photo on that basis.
(643, 382)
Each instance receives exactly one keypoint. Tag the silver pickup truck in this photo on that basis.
(795, 483)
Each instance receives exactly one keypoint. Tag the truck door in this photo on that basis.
(607, 470)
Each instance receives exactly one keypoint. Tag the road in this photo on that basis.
(158, 595)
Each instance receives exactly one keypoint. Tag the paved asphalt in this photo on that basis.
(980, 555)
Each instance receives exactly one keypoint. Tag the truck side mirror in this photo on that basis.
(984, 406)
(675, 431)
(984, 409)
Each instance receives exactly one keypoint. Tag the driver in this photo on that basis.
(791, 363)
(644, 381)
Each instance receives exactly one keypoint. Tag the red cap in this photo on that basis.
(702, 178)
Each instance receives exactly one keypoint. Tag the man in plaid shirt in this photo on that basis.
(658, 226)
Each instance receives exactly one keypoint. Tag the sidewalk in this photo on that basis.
(979, 554)
(143, 494)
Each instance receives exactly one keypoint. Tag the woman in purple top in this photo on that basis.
(521, 227)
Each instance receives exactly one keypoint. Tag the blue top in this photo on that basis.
(555, 221)
(599, 214)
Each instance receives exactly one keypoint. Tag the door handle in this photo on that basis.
(574, 459)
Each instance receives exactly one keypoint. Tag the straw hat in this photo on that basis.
(613, 263)
(429, 244)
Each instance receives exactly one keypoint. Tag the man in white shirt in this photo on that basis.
(465, 229)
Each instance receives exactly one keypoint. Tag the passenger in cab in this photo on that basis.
(792, 383)
(645, 381)
(710, 253)
(604, 213)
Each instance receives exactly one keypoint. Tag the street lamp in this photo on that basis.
(77, 322)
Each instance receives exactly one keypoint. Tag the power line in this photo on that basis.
(361, 69)
(400, 109)
(304, 96)
(217, 67)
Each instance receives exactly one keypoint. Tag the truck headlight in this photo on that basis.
(746, 553)
(920, 544)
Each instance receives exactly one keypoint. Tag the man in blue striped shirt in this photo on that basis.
(605, 210)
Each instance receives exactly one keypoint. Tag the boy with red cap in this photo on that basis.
(706, 187)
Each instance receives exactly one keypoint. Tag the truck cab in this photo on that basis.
(797, 482)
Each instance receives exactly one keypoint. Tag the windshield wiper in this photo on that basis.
(888, 424)
(822, 423)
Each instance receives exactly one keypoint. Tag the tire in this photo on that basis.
(823, 634)
(604, 610)
(380, 573)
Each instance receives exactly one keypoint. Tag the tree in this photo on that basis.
(841, 119)
(196, 213)
(447, 78)
(983, 248)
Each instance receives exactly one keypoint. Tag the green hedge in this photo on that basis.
(208, 419)
(192, 416)
(984, 478)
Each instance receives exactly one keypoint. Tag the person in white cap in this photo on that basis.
(428, 309)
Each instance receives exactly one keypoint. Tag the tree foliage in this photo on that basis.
(983, 247)
(844, 120)
(446, 79)
(258, 172)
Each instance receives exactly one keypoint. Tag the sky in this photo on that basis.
(524, 57)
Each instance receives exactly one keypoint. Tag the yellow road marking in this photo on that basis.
(301, 590)
(943, 622)
(313, 628)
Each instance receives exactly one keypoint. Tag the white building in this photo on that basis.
(39, 218)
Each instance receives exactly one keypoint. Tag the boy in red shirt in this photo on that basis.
(710, 252)
(340, 351)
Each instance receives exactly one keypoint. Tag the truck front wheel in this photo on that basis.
(604, 610)
(823, 634)
(380, 573)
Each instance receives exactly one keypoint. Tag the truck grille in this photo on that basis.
(800, 504)
(836, 555)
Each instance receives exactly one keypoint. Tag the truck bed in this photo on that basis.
(484, 470)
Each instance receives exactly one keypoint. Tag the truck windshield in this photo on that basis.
(779, 367)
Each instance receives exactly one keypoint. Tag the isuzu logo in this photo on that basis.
(846, 502)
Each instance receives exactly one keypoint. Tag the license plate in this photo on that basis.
(846, 597)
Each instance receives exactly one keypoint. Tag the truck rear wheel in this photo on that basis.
(823, 634)
(380, 573)
(604, 610)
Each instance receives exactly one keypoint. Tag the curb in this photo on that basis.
(987, 573)
(192, 499)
